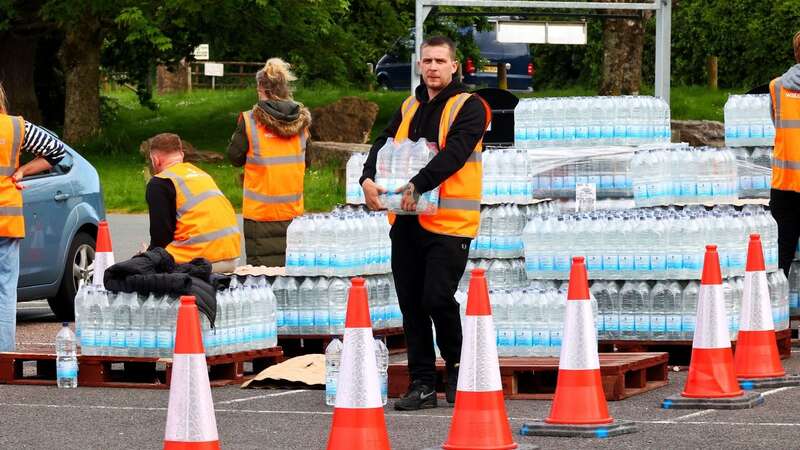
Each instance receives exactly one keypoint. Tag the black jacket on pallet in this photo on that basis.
(155, 272)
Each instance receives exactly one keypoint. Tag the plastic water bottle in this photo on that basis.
(66, 358)
(292, 308)
(103, 316)
(382, 358)
(337, 297)
(333, 355)
(165, 332)
(354, 193)
(630, 298)
(149, 313)
(689, 319)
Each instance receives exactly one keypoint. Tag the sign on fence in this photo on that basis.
(213, 69)
(201, 52)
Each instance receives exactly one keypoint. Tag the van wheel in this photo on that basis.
(78, 270)
(383, 84)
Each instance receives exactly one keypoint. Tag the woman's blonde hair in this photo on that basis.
(274, 79)
(3, 100)
(796, 44)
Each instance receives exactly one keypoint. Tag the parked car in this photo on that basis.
(62, 209)
(393, 70)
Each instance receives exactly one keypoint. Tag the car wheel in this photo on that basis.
(383, 84)
(78, 270)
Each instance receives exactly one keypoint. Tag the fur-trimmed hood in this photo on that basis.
(283, 117)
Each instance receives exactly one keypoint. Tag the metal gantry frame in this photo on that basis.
(663, 9)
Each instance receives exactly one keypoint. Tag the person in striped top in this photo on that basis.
(17, 135)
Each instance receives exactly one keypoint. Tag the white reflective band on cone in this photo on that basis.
(357, 385)
(102, 261)
(479, 370)
(579, 340)
(756, 312)
(712, 319)
(191, 409)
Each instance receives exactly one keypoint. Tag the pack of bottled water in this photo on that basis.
(500, 273)
(748, 121)
(754, 168)
(667, 309)
(678, 174)
(794, 288)
(500, 233)
(558, 178)
(354, 195)
(347, 242)
(647, 243)
(126, 324)
(333, 359)
(318, 305)
(397, 164)
(588, 121)
(506, 177)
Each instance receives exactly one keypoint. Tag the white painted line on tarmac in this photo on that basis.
(256, 397)
(775, 391)
(738, 424)
(694, 414)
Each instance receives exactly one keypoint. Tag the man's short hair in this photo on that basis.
(440, 41)
(166, 143)
(796, 44)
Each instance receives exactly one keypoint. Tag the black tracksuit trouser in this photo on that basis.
(785, 208)
(427, 268)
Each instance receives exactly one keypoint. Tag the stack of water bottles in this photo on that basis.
(354, 195)
(347, 242)
(500, 233)
(397, 164)
(126, 324)
(678, 174)
(318, 305)
(590, 121)
(794, 288)
(500, 273)
(754, 167)
(667, 309)
(556, 176)
(748, 121)
(647, 243)
(506, 177)
(333, 358)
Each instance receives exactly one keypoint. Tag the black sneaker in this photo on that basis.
(452, 385)
(419, 396)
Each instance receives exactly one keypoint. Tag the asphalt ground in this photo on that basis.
(92, 418)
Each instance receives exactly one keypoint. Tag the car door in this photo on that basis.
(47, 202)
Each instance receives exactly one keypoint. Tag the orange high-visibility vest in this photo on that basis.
(459, 209)
(206, 225)
(273, 173)
(786, 155)
(12, 134)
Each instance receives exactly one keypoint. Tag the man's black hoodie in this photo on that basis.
(464, 134)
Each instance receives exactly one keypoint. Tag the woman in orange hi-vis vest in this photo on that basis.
(784, 201)
(429, 253)
(17, 135)
(270, 142)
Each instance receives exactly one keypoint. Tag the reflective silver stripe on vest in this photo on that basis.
(777, 87)
(458, 203)
(10, 210)
(475, 156)
(784, 164)
(275, 160)
(206, 237)
(196, 200)
(254, 142)
(457, 104)
(409, 106)
(7, 171)
(179, 181)
(793, 123)
(16, 136)
(272, 198)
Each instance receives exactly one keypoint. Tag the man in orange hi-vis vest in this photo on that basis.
(784, 199)
(429, 253)
(189, 216)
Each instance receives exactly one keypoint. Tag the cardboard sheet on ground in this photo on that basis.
(260, 270)
(300, 372)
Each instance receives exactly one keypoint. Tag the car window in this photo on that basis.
(487, 43)
(64, 166)
(401, 49)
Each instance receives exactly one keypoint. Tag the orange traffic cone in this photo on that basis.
(190, 416)
(358, 421)
(579, 406)
(479, 418)
(103, 255)
(712, 381)
(756, 360)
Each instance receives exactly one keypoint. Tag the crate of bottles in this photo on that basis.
(130, 325)
(754, 171)
(500, 233)
(397, 163)
(748, 121)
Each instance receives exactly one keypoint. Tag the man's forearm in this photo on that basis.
(37, 165)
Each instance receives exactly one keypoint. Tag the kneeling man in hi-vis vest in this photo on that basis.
(189, 216)
(429, 253)
(784, 198)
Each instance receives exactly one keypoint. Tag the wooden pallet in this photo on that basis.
(534, 378)
(680, 351)
(39, 368)
(304, 344)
